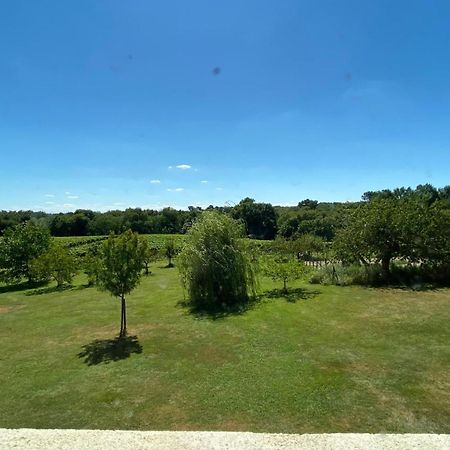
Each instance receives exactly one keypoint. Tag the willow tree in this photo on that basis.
(216, 270)
(120, 266)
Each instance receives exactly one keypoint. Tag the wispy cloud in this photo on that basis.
(68, 205)
(73, 197)
(204, 181)
(219, 189)
(155, 181)
(50, 195)
(183, 166)
(68, 193)
(176, 190)
(170, 167)
(49, 203)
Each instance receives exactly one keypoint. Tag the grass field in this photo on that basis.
(326, 359)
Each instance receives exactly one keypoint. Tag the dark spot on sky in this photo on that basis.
(130, 57)
(348, 76)
(216, 71)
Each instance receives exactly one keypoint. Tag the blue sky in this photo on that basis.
(317, 99)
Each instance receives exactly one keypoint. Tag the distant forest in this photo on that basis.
(261, 220)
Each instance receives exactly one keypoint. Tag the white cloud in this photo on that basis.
(49, 203)
(68, 205)
(73, 197)
(204, 181)
(68, 193)
(184, 166)
(155, 181)
(170, 167)
(176, 190)
(219, 189)
(50, 195)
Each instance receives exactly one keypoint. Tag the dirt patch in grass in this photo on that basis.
(10, 309)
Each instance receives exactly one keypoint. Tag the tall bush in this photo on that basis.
(217, 271)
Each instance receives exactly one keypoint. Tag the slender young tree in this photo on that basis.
(121, 260)
(285, 269)
(171, 251)
(149, 254)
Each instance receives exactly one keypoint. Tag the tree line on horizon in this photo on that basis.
(261, 220)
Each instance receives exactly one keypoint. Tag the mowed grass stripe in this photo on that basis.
(336, 360)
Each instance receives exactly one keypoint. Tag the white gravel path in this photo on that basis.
(32, 439)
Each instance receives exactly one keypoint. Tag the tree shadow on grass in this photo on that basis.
(51, 289)
(291, 295)
(220, 311)
(20, 286)
(107, 350)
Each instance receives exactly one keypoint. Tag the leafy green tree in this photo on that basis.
(150, 254)
(57, 263)
(216, 270)
(19, 246)
(307, 203)
(310, 247)
(171, 251)
(91, 267)
(260, 219)
(120, 267)
(372, 234)
(285, 269)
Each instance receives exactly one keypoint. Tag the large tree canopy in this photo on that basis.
(260, 219)
(408, 227)
(19, 246)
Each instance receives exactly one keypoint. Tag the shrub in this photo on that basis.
(216, 270)
(348, 275)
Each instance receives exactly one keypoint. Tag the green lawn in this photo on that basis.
(336, 360)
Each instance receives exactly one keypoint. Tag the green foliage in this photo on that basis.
(57, 263)
(91, 267)
(150, 253)
(216, 269)
(347, 275)
(310, 244)
(260, 219)
(19, 246)
(308, 219)
(372, 234)
(285, 269)
(171, 250)
(389, 227)
(119, 272)
(121, 263)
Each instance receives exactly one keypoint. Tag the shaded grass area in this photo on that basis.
(318, 359)
(107, 350)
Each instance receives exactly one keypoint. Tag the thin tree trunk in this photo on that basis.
(285, 287)
(123, 318)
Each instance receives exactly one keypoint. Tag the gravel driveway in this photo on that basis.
(32, 439)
